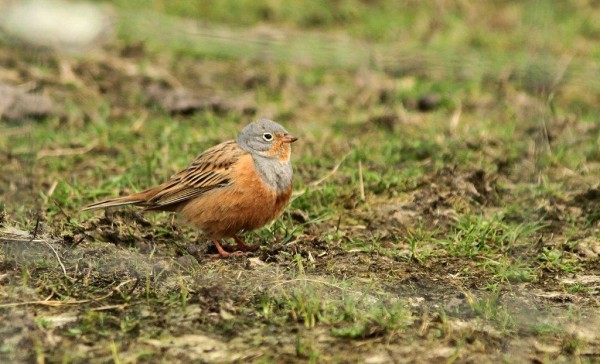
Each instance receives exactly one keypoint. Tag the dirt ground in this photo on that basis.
(438, 215)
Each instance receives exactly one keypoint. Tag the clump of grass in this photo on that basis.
(555, 259)
(375, 320)
(487, 118)
(306, 349)
(546, 328)
(490, 308)
(348, 313)
(505, 269)
(305, 305)
(572, 344)
(349, 317)
(476, 235)
(416, 239)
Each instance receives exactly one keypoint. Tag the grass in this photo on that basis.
(445, 197)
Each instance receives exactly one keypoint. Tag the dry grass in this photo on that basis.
(446, 193)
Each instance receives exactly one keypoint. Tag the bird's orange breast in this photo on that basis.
(246, 204)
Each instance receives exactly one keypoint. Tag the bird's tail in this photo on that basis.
(135, 199)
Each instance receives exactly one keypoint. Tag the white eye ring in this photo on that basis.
(268, 137)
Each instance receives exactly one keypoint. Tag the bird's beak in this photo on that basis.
(287, 138)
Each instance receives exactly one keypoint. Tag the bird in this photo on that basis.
(237, 186)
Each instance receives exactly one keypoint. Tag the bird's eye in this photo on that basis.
(268, 136)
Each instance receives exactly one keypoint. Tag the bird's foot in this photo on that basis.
(223, 253)
(240, 245)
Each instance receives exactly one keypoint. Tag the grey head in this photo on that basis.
(270, 146)
(263, 137)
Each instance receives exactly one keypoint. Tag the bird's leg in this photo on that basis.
(222, 252)
(240, 245)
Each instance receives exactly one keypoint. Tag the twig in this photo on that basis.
(54, 303)
(296, 194)
(57, 258)
(118, 288)
(332, 172)
(57, 303)
(455, 119)
(62, 211)
(52, 188)
(19, 240)
(66, 151)
(139, 123)
(37, 225)
(120, 307)
(137, 283)
(362, 182)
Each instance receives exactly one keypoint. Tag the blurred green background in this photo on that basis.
(446, 203)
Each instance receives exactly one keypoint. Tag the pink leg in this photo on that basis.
(240, 245)
(222, 252)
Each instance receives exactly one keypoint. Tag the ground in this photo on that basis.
(446, 200)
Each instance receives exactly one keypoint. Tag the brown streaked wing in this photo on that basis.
(208, 171)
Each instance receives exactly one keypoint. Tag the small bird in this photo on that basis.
(236, 186)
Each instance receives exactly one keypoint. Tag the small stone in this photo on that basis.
(226, 315)
(255, 262)
(187, 261)
(378, 359)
